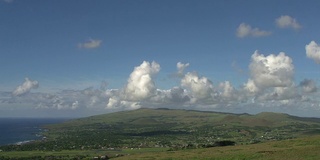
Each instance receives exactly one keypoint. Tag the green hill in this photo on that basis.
(153, 130)
(179, 128)
(186, 117)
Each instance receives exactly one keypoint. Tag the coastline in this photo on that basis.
(19, 131)
(24, 142)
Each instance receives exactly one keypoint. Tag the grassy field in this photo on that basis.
(295, 149)
(70, 153)
(85, 154)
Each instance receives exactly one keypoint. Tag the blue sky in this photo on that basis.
(56, 55)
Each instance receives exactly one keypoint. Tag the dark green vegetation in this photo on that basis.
(173, 131)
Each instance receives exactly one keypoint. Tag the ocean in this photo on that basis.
(20, 130)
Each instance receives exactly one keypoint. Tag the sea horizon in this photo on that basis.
(16, 130)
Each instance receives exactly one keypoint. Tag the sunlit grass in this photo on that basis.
(294, 149)
(297, 149)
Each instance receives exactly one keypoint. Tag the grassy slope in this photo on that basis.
(70, 154)
(187, 117)
(295, 149)
(152, 119)
(305, 148)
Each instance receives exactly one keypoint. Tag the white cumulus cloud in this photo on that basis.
(287, 22)
(25, 87)
(251, 87)
(228, 91)
(245, 30)
(181, 67)
(308, 86)
(90, 44)
(75, 105)
(113, 102)
(284, 93)
(271, 71)
(271, 77)
(178, 95)
(313, 51)
(271, 83)
(201, 87)
(140, 83)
